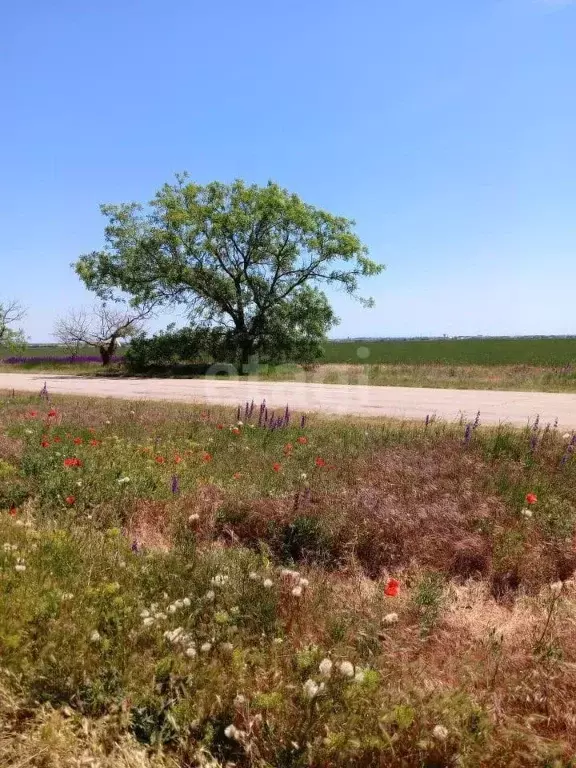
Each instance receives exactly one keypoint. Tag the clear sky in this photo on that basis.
(446, 129)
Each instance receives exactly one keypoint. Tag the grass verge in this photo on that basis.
(179, 589)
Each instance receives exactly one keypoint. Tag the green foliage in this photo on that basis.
(428, 597)
(242, 258)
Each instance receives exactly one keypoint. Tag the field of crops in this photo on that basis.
(538, 351)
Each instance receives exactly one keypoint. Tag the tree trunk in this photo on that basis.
(105, 354)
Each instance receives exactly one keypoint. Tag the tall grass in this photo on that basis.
(178, 588)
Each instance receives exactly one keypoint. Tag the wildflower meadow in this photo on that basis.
(183, 586)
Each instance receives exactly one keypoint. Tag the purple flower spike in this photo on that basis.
(135, 547)
(427, 421)
(476, 421)
(303, 421)
(175, 485)
(468, 434)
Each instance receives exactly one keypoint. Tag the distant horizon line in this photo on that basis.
(343, 339)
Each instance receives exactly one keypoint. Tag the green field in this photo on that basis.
(539, 351)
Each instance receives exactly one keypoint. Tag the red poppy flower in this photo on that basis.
(70, 500)
(276, 466)
(56, 440)
(320, 462)
(52, 412)
(237, 475)
(72, 462)
(13, 511)
(219, 426)
(32, 414)
(94, 443)
(236, 431)
(45, 443)
(177, 459)
(392, 588)
(531, 498)
(78, 441)
(206, 457)
(159, 459)
(288, 448)
(302, 440)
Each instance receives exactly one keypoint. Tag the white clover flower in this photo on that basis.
(440, 732)
(325, 667)
(171, 608)
(231, 732)
(123, 480)
(304, 582)
(20, 567)
(7, 547)
(240, 423)
(226, 647)
(297, 591)
(95, 636)
(154, 607)
(253, 576)
(194, 518)
(205, 647)
(148, 621)
(210, 595)
(391, 618)
(179, 603)
(234, 610)
(360, 676)
(311, 688)
(303, 476)
(190, 652)
(346, 668)
(219, 580)
(107, 421)
(239, 700)
(527, 513)
(67, 596)
(267, 583)
(29, 431)
(160, 616)
(556, 588)
(278, 640)
(186, 602)
(15, 547)
(79, 483)
(288, 573)
(132, 413)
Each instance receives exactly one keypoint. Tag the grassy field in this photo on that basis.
(522, 364)
(546, 352)
(181, 589)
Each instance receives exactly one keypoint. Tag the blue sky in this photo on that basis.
(445, 129)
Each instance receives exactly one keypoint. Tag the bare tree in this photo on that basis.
(103, 327)
(11, 312)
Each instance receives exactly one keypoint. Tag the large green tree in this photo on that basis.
(247, 259)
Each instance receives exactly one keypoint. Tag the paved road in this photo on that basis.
(404, 402)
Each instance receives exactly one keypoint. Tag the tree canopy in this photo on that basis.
(249, 260)
(11, 312)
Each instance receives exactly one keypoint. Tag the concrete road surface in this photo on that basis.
(402, 402)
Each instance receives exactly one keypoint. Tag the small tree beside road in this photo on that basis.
(102, 327)
(11, 313)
